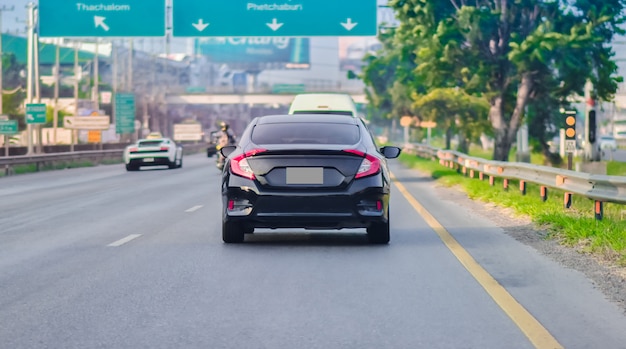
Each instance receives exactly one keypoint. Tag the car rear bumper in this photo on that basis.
(149, 161)
(306, 210)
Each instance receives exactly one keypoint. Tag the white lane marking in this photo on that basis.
(195, 208)
(121, 242)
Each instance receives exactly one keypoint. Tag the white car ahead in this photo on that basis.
(153, 152)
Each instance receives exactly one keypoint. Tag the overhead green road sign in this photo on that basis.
(97, 18)
(8, 127)
(192, 18)
(35, 113)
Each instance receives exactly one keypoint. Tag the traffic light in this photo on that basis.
(592, 126)
(570, 125)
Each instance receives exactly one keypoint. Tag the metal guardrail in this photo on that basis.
(96, 156)
(600, 188)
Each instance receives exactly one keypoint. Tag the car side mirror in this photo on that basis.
(227, 150)
(390, 152)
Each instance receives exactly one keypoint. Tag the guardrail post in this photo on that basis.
(599, 210)
(522, 187)
(481, 176)
(464, 171)
(492, 180)
(544, 193)
(471, 173)
(505, 183)
(567, 200)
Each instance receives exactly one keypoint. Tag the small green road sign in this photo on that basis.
(124, 109)
(288, 88)
(96, 18)
(35, 113)
(8, 127)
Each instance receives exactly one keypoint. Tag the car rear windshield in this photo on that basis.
(150, 143)
(338, 112)
(305, 133)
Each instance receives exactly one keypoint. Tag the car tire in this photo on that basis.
(247, 229)
(232, 233)
(378, 233)
(180, 163)
(173, 164)
(130, 167)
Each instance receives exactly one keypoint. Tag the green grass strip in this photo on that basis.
(574, 227)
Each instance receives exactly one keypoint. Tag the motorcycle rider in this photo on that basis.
(225, 137)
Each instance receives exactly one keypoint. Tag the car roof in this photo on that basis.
(307, 118)
(154, 139)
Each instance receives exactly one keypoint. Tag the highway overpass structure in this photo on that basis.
(247, 99)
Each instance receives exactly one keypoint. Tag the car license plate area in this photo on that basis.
(304, 175)
(148, 160)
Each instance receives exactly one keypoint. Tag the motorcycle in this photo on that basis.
(220, 159)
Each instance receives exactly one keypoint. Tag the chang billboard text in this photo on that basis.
(256, 52)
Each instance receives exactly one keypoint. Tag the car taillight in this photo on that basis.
(165, 148)
(239, 164)
(132, 150)
(369, 166)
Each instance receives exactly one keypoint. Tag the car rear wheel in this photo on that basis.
(378, 233)
(173, 164)
(130, 167)
(232, 233)
(180, 162)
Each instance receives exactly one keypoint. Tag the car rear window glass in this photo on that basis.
(338, 112)
(305, 133)
(150, 143)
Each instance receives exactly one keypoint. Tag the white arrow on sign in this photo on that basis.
(274, 25)
(200, 25)
(349, 24)
(99, 22)
(30, 117)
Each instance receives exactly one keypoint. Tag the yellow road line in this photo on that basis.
(532, 329)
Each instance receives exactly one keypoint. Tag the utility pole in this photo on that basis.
(37, 78)
(76, 73)
(129, 76)
(96, 80)
(29, 69)
(57, 67)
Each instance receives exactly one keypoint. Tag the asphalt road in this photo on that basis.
(104, 258)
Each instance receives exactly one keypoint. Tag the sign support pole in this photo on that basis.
(29, 71)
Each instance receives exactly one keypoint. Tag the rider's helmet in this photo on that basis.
(224, 126)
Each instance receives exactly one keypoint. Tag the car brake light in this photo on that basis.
(239, 164)
(132, 150)
(369, 166)
(165, 148)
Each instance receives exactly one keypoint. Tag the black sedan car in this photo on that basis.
(306, 171)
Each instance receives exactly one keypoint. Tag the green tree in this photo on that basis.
(506, 50)
(13, 94)
(455, 112)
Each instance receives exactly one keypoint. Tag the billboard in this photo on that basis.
(256, 53)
